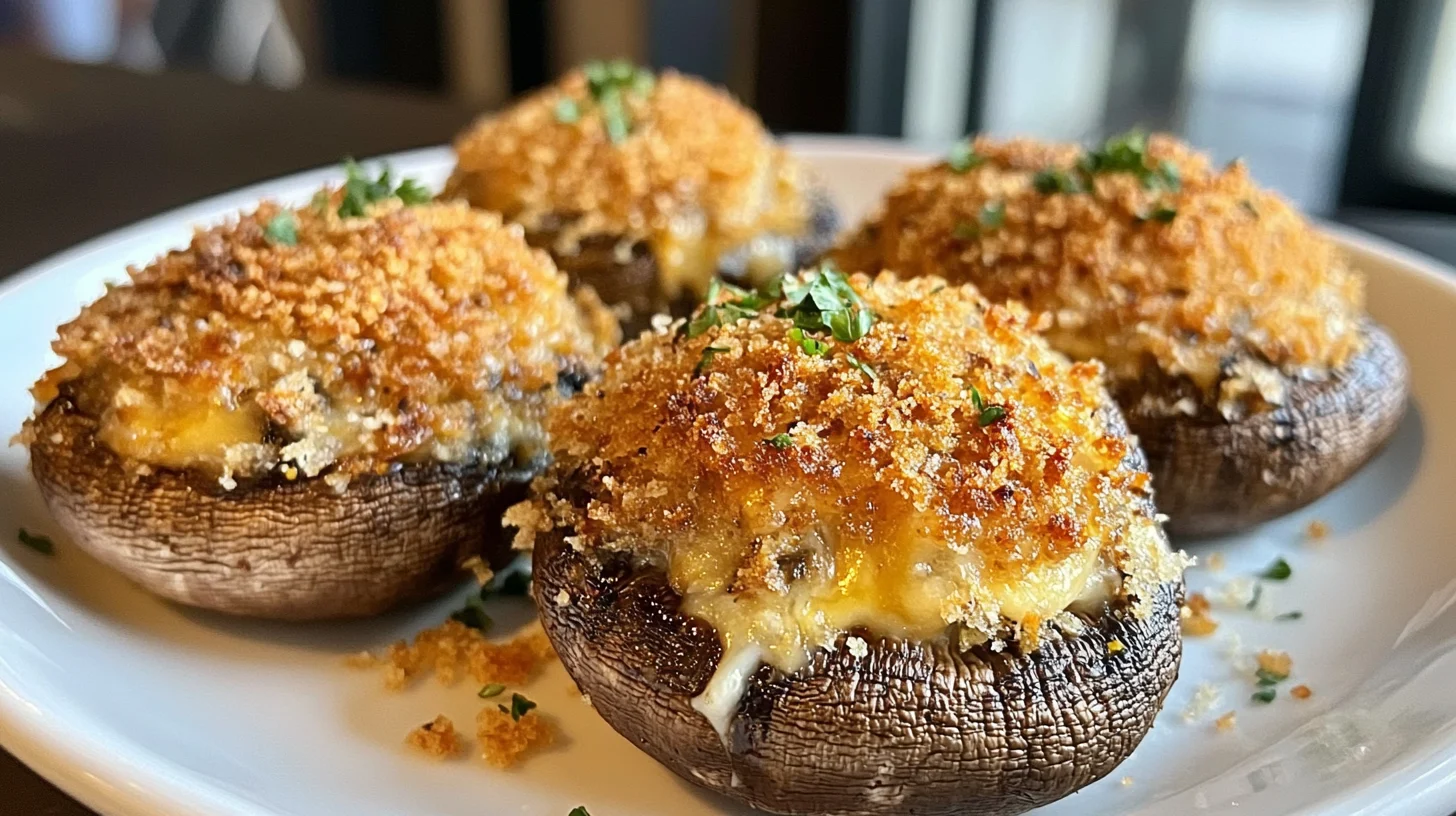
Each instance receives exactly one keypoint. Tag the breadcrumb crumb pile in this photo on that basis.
(436, 739)
(696, 164)
(505, 741)
(429, 332)
(1230, 289)
(453, 650)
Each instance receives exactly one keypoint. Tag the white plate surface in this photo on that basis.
(141, 708)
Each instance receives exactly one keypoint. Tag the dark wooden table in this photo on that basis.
(87, 149)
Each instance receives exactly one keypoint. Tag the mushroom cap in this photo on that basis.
(275, 549)
(908, 729)
(1213, 476)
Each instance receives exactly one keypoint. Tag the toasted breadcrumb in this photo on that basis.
(1301, 692)
(1205, 697)
(1274, 662)
(503, 741)
(436, 738)
(1215, 562)
(1126, 782)
(1235, 292)
(1197, 622)
(1316, 531)
(432, 331)
(477, 566)
(453, 650)
(1226, 722)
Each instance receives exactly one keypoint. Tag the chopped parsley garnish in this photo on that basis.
(1249, 207)
(1128, 153)
(781, 441)
(579, 810)
(1269, 678)
(1162, 215)
(707, 359)
(39, 543)
(965, 231)
(825, 300)
(609, 84)
(519, 706)
(360, 191)
(812, 346)
(567, 111)
(1289, 616)
(862, 367)
(282, 229)
(1278, 571)
(743, 306)
(472, 615)
(516, 584)
(993, 215)
(1047, 182)
(1254, 599)
(963, 157)
(986, 414)
(1264, 695)
(490, 690)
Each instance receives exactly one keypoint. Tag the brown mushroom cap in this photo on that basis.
(1213, 476)
(909, 728)
(281, 550)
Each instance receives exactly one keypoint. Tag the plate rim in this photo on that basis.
(108, 773)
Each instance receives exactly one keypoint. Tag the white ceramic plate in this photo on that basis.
(138, 707)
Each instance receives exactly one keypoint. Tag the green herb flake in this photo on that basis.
(780, 441)
(1264, 695)
(993, 215)
(812, 346)
(519, 706)
(1289, 616)
(1249, 207)
(977, 401)
(824, 300)
(39, 543)
(1254, 599)
(473, 614)
(282, 229)
(360, 192)
(963, 157)
(1269, 678)
(567, 111)
(965, 231)
(1278, 571)
(991, 415)
(490, 690)
(609, 84)
(709, 352)
(579, 810)
(516, 584)
(862, 367)
(1163, 215)
(1052, 181)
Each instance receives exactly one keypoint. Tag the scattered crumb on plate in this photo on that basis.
(436, 738)
(453, 650)
(1205, 697)
(1301, 692)
(503, 741)
(1226, 722)
(1197, 622)
(1316, 531)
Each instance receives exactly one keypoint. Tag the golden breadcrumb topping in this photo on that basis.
(696, 175)
(504, 740)
(946, 468)
(1190, 268)
(413, 333)
(453, 650)
(437, 738)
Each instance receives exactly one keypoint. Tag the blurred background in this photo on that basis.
(138, 105)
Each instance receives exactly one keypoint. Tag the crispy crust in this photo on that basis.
(1237, 273)
(905, 729)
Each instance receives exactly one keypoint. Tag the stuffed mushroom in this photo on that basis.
(1234, 333)
(857, 546)
(312, 413)
(644, 187)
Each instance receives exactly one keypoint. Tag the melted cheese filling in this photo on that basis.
(913, 590)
